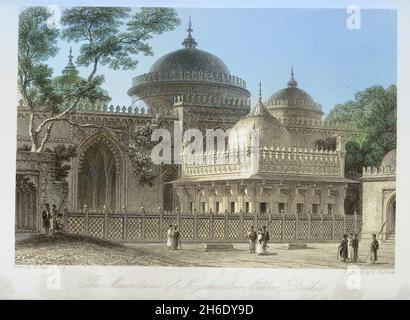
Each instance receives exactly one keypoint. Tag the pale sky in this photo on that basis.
(331, 62)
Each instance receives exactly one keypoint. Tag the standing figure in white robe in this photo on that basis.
(350, 249)
(169, 237)
(259, 243)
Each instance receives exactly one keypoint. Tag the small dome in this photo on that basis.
(271, 131)
(389, 159)
(292, 94)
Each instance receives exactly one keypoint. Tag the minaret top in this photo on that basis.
(70, 67)
(189, 42)
(292, 82)
(259, 109)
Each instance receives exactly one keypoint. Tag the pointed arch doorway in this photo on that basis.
(99, 181)
(391, 216)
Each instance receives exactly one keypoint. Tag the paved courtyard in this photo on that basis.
(318, 255)
(69, 249)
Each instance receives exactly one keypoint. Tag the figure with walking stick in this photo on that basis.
(374, 246)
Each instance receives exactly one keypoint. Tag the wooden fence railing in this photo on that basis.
(210, 227)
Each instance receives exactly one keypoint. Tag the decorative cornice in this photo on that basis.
(194, 76)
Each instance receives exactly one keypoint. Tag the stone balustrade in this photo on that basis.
(87, 107)
(378, 171)
(273, 160)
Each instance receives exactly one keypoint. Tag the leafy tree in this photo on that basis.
(371, 120)
(63, 156)
(103, 42)
(137, 144)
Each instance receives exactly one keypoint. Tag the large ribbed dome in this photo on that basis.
(190, 59)
(191, 75)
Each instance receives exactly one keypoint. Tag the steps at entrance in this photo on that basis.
(390, 238)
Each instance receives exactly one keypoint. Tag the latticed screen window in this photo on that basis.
(299, 207)
(247, 207)
(315, 208)
(281, 207)
(263, 207)
(329, 208)
(232, 207)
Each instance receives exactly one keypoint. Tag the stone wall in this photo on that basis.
(39, 168)
(379, 188)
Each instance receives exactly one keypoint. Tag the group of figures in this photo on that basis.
(51, 220)
(258, 241)
(173, 238)
(348, 249)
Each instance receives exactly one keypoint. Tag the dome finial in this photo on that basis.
(70, 67)
(189, 41)
(70, 56)
(259, 110)
(292, 82)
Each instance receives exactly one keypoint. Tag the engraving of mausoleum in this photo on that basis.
(193, 86)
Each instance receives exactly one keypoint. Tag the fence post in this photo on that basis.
(333, 227)
(195, 225)
(124, 223)
(161, 223)
(178, 213)
(66, 219)
(142, 223)
(283, 226)
(105, 222)
(226, 225)
(255, 221)
(296, 225)
(309, 231)
(85, 225)
(211, 225)
(344, 224)
(322, 227)
(241, 225)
